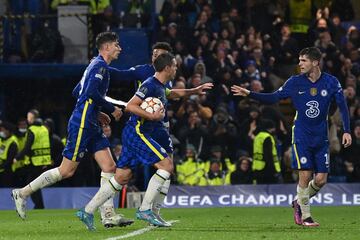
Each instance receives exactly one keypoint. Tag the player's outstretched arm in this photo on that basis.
(123, 76)
(133, 106)
(239, 91)
(268, 98)
(200, 90)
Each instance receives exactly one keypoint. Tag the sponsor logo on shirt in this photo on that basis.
(303, 160)
(99, 76)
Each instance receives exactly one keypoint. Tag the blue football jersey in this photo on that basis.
(311, 101)
(138, 75)
(90, 93)
(152, 87)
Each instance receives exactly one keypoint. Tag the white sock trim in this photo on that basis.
(107, 175)
(163, 174)
(115, 184)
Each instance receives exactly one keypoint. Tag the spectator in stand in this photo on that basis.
(339, 32)
(247, 128)
(171, 35)
(223, 132)
(287, 47)
(256, 86)
(200, 68)
(195, 133)
(251, 72)
(202, 24)
(329, 51)
(171, 11)
(243, 173)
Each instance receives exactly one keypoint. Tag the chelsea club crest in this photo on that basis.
(324, 93)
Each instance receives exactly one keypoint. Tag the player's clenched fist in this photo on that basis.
(239, 91)
(117, 113)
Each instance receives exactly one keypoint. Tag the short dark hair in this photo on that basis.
(162, 45)
(8, 126)
(163, 60)
(313, 53)
(105, 37)
(35, 112)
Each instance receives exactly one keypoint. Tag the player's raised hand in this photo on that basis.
(104, 119)
(239, 91)
(200, 90)
(158, 115)
(117, 113)
(346, 140)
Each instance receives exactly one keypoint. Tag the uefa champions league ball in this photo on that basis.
(151, 104)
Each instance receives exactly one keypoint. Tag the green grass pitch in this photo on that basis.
(207, 223)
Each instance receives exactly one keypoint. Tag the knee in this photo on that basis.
(320, 182)
(66, 173)
(123, 179)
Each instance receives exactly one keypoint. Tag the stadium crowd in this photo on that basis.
(253, 44)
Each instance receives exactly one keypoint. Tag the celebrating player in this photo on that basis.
(84, 131)
(160, 134)
(311, 92)
(140, 147)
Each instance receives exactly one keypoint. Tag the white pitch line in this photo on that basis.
(137, 232)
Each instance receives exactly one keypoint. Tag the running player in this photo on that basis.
(84, 130)
(311, 93)
(140, 147)
(138, 75)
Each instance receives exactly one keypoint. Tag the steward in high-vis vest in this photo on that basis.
(190, 170)
(215, 176)
(266, 165)
(19, 166)
(37, 148)
(8, 149)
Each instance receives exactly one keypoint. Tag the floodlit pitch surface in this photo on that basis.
(206, 223)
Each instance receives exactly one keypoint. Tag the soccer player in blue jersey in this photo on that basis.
(84, 127)
(139, 146)
(138, 75)
(311, 93)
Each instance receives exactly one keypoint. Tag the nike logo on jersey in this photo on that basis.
(300, 92)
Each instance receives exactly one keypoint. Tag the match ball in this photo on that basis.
(151, 104)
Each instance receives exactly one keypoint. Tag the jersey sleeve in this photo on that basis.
(123, 76)
(341, 102)
(76, 90)
(96, 75)
(269, 98)
(144, 90)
